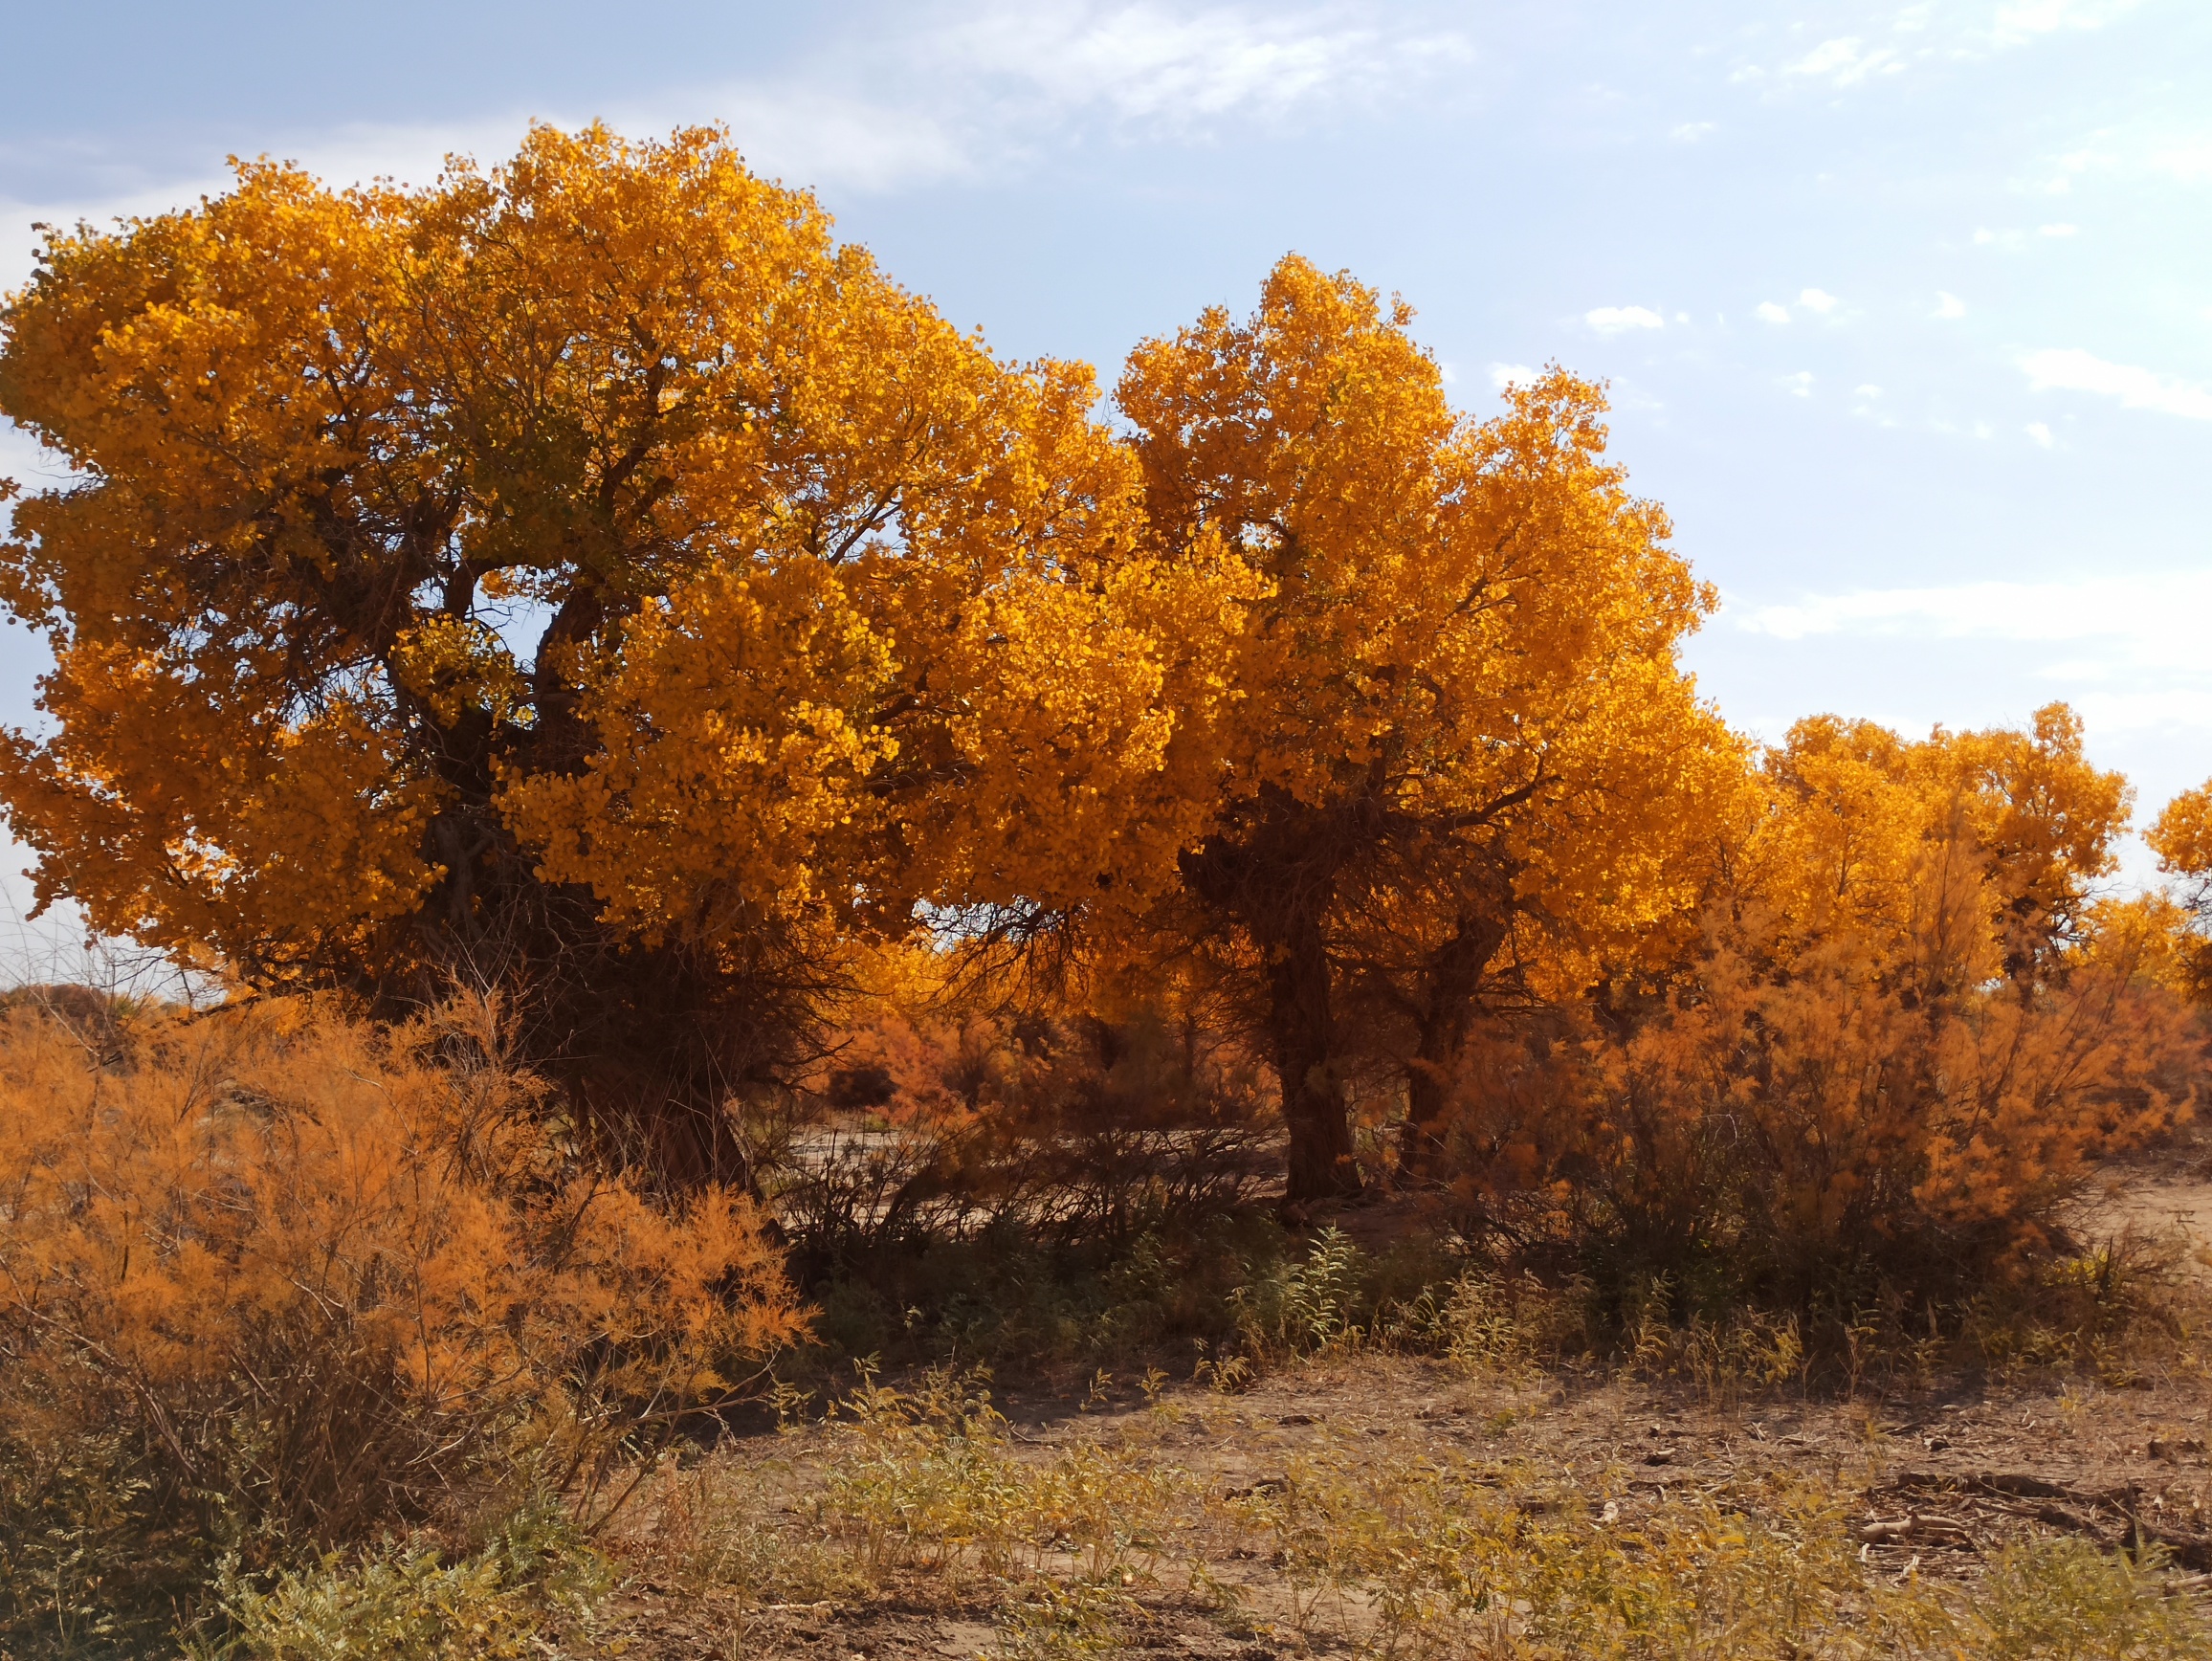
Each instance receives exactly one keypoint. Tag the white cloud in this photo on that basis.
(2187, 162)
(813, 138)
(2127, 650)
(1869, 390)
(1171, 68)
(2025, 19)
(2058, 231)
(2041, 433)
(1503, 376)
(2079, 371)
(1801, 384)
(1817, 300)
(1690, 132)
(1949, 305)
(1614, 320)
(927, 101)
(1844, 61)
(1769, 312)
(2154, 619)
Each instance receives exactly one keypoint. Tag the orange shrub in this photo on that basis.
(1910, 1023)
(1786, 1126)
(312, 1273)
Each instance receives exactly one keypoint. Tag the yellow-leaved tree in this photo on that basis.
(1864, 832)
(1456, 708)
(585, 575)
(2181, 837)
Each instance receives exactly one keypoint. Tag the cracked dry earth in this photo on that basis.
(1938, 1478)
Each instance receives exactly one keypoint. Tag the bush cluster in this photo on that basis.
(273, 1282)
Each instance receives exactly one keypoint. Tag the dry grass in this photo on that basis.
(911, 1523)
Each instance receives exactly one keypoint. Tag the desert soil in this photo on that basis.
(1941, 1474)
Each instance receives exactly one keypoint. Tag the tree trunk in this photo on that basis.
(1302, 1025)
(1454, 975)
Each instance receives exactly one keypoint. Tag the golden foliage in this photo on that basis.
(1909, 1028)
(319, 1272)
(836, 613)
(1457, 703)
(2181, 837)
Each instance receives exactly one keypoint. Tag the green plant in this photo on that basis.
(2064, 1599)
(535, 1576)
(1304, 1306)
(85, 1560)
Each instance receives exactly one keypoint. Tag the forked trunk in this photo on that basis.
(1454, 977)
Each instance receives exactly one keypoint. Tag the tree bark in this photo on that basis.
(1453, 976)
(1302, 1025)
(1276, 882)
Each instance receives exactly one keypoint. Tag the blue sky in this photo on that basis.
(1907, 309)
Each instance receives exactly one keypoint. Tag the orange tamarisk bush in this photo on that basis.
(317, 1274)
(1797, 1125)
(1457, 702)
(1880, 1059)
(585, 574)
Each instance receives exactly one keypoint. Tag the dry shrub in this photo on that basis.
(1797, 1125)
(292, 1279)
(1432, 1558)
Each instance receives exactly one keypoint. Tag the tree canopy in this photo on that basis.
(586, 569)
(589, 577)
(1459, 707)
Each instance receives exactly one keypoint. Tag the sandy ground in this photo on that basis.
(1941, 1476)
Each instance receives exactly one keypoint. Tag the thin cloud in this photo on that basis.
(1844, 62)
(816, 138)
(1769, 312)
(2186, 162)
(2146, 621)
(1002, 84)
(2137, 388)
(1507, 376)
(1818, 299)
(1949, 305)
(994, 90)
(2023, 20)
(1614, 320)
(1147, 64)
